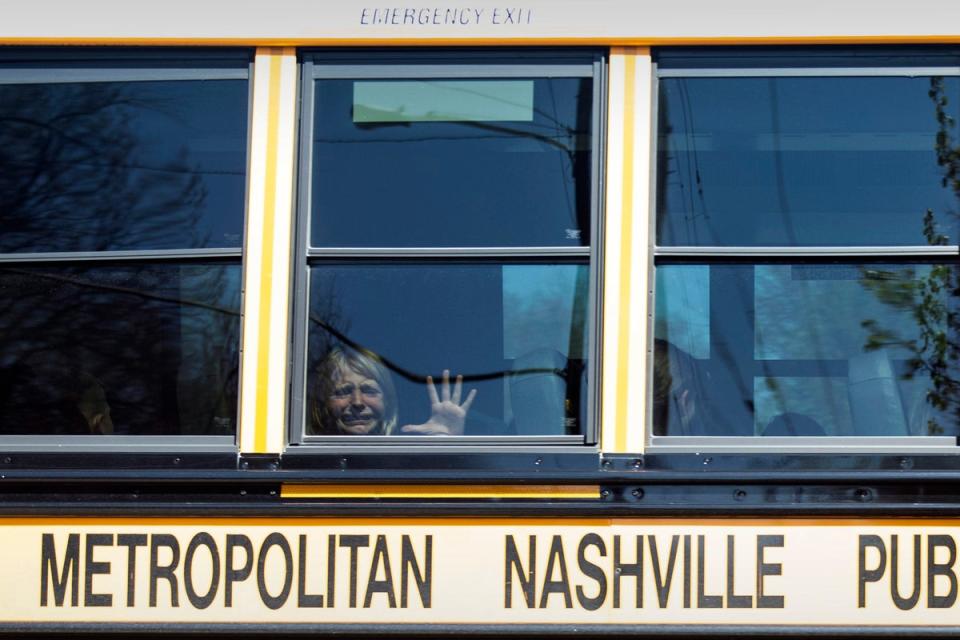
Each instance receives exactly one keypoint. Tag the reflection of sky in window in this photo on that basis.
(198, 128)
(538, 308)
(92, 166)
(801, 161)
(162, 167)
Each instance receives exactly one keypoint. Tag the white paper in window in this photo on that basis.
(443, 101)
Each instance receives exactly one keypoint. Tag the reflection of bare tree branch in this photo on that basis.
(139, 293)
(139, 167)
(167, 363)
(78, 174)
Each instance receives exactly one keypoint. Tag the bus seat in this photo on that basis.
(793, 424)
(538, 393)
(876, 408)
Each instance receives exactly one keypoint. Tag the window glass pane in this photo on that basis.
(99, 166)
(147, 349)
(517, 334)
(808, 349)
(806, 161)
(439, 179)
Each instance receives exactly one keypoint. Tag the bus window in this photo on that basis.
(448, 220)
(806, 242)
(122, 182)
(482, 163)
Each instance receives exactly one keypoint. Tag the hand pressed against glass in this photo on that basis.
(447, 415)
(356, 403)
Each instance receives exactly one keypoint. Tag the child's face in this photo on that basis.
(356, 403)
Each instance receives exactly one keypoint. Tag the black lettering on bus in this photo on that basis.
(131, 541)
(945, 569)
(765, 569)
(594, 571)
(232, 574)
(687, 568)
(381, 557)
(551, 586)
(275, 539)
(659, 582)
(202, 539)
(513, 562)
(353, 543)
(734, 601)
(704, 600)
(865, 575)
(70, 570)
(305, 600)
(634, 569)
(910, 601)
(331, 568)
(408, 565)
(92, 568)
(158, 572)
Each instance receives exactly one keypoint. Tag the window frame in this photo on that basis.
(787, 62)
(111, 64)
(466, 64)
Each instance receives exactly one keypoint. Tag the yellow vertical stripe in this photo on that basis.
(266, 276)
(626, 238)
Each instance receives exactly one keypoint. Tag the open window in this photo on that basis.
(447, 221)
(122, 183)
(806, 265)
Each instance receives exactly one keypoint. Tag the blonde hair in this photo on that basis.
(364, 363)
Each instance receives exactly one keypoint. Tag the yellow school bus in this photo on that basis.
(540, 319)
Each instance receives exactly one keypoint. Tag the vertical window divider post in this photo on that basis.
(267, 273)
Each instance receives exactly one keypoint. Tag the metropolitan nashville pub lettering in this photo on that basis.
(588, 571)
